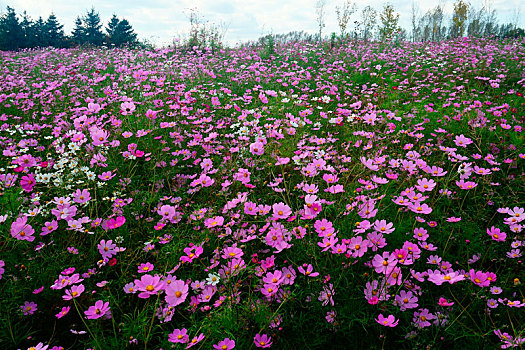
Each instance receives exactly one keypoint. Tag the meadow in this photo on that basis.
(344, 195)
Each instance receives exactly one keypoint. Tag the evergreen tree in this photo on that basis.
(78, 35)
(92, 28)
(120, 32)
(39, 32)
(112, 26)
(54, 31)
(27, 29)
(11, 33)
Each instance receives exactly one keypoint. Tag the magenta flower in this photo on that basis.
(106, 176)
(49, 227)
(385, 263)
(496, 234)
(308, 271)
(107, 249)
(179, 336)
(479, 278)
(27, 183)
(145, 267)
(466, 185)
(226, 344)
(176, 292)
(29, 308)
(420, 208)
(98, 310)
(213, 222)
(74, 292)
(422, 317)
(444, 302)
(21, 230)
(195, 340)
(81, 196)
(406, 300)
(281, 211)
(63, 312)
(127, 108)
(148, 285)
(425, 185)
(389, 321)
(262, 341)
(257, 148)
(114, 223)
(462, 141)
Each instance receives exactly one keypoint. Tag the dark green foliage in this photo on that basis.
(11, 32)
(120, 32)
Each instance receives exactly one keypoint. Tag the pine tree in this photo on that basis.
(92, 28)
(111, 27)
(124, 34)
(79, 34)
(54, 31)
(120, 32)
(11, 33)
(39, 32)
(27, 30)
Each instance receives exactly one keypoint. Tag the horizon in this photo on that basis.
(161, 22)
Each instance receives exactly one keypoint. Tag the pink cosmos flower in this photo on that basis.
(422, 317)
(114, 223)
(385, 263)
(145, 267)
(389, 321)
(496, 234)
(127, 108)
(98, 310)
(21, 230)
(420, 208)
(425, 185)
(63, 312)
(195, 340)
(444, 302)
(106, 176)
(74, 292)
(226, 344)
(29, 308)
(2, 270)
(27, 182)
(406, 300)
(262, 341)
(479, 278)
(281, 211)
(438, 278)
(358, 245)
(148, 285)
(257, 148)
(462, 141)
(308, 271)
(466, 185)
(176, 292)
(49, 227)
(179, 336)
(107, 249)
(213, 222)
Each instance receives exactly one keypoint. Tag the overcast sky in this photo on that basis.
(160, 21)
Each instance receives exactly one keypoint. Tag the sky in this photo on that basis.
(162, 21)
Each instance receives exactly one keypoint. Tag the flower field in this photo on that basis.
(361, 196)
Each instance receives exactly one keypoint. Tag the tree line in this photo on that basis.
(21, 32)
